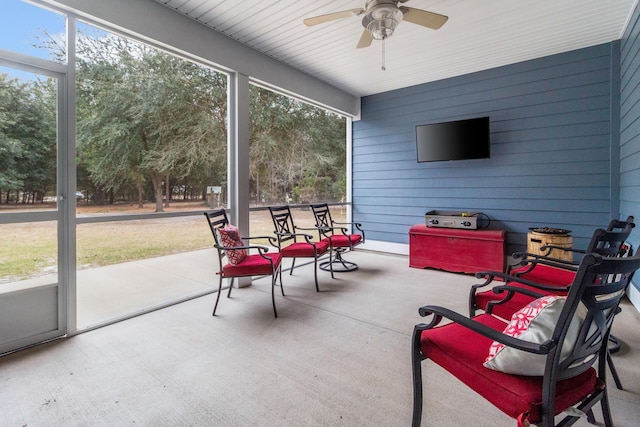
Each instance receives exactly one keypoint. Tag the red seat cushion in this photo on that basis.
(304, 249)
(462, 352)
(542, 274)
(253, 265)
(506, 310)
(342, 241)
(546, 275)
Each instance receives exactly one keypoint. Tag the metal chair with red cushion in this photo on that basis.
(565, 350)
(545, 275)
(538, 275)
(338, 235)
(289, 244)
(239, 262)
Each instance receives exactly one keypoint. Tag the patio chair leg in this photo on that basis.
(606, 411)
(315, 272)
(273, 293)
(230, 287)
(293, 264)
(279, 274)
(614, 344)
(337, 259)
(614, 373)
(416, 363)
(215, 307)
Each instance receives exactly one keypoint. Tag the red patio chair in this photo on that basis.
(542, 274)
(236, 261)
(538, 275)
(338, 235)
(293, 244)
(532, 379)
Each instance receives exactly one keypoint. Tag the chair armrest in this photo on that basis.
(532, 261)
(324, 229)
(272, 240)
(515, 289)
(440, 312)
(306, 228)
(489, 276)
(246, 247)
(560, 248)
(506, 278)
(529, 257)
(357, 225)
(318, 229)
(307, 237)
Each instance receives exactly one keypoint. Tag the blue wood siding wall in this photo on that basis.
(630, 126)
(551, 139)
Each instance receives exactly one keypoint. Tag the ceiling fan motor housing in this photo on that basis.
(382, 18)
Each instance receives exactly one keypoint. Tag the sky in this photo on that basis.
(20, 26)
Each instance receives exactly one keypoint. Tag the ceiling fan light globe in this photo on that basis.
(380, 29)
(382, 20)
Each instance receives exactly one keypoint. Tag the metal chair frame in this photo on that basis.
(328, 228)
(599, 284)
(218, 219)
(287, 231)
(607, 243)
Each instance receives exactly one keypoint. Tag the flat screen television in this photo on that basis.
(455, 140)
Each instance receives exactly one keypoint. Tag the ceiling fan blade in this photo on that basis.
(332, 16)
(422, 17)
(365, 39)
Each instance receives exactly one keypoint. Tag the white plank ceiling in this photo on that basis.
(479, 35)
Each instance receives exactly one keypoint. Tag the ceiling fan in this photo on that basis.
(381, 17)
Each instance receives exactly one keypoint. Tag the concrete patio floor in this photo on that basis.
(338, 357)
(112, 292)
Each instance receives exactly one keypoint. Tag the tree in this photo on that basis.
(27, 137)
(150, 120)
(144, 114)
(295, 148)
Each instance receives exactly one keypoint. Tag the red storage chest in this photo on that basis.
(457, 250)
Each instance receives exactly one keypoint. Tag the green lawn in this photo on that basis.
(29, 249)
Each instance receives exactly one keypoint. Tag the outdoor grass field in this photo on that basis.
(30, 249)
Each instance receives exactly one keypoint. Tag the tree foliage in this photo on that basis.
(144, 115)
(151, 126)
(295, 149)
(27, 139)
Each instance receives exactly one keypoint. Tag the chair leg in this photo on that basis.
(337, 259)
(416, 363)
(614, 373)
(614, 344)
(606, 411)
(315, 272)
(215, 307)
(273, 292)
(591, 419)
(331, 264)
(279, 273)
(230, 287)
(293, 264)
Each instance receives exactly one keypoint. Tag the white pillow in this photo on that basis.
(534, 323)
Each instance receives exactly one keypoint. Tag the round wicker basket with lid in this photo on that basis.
(539, 237)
